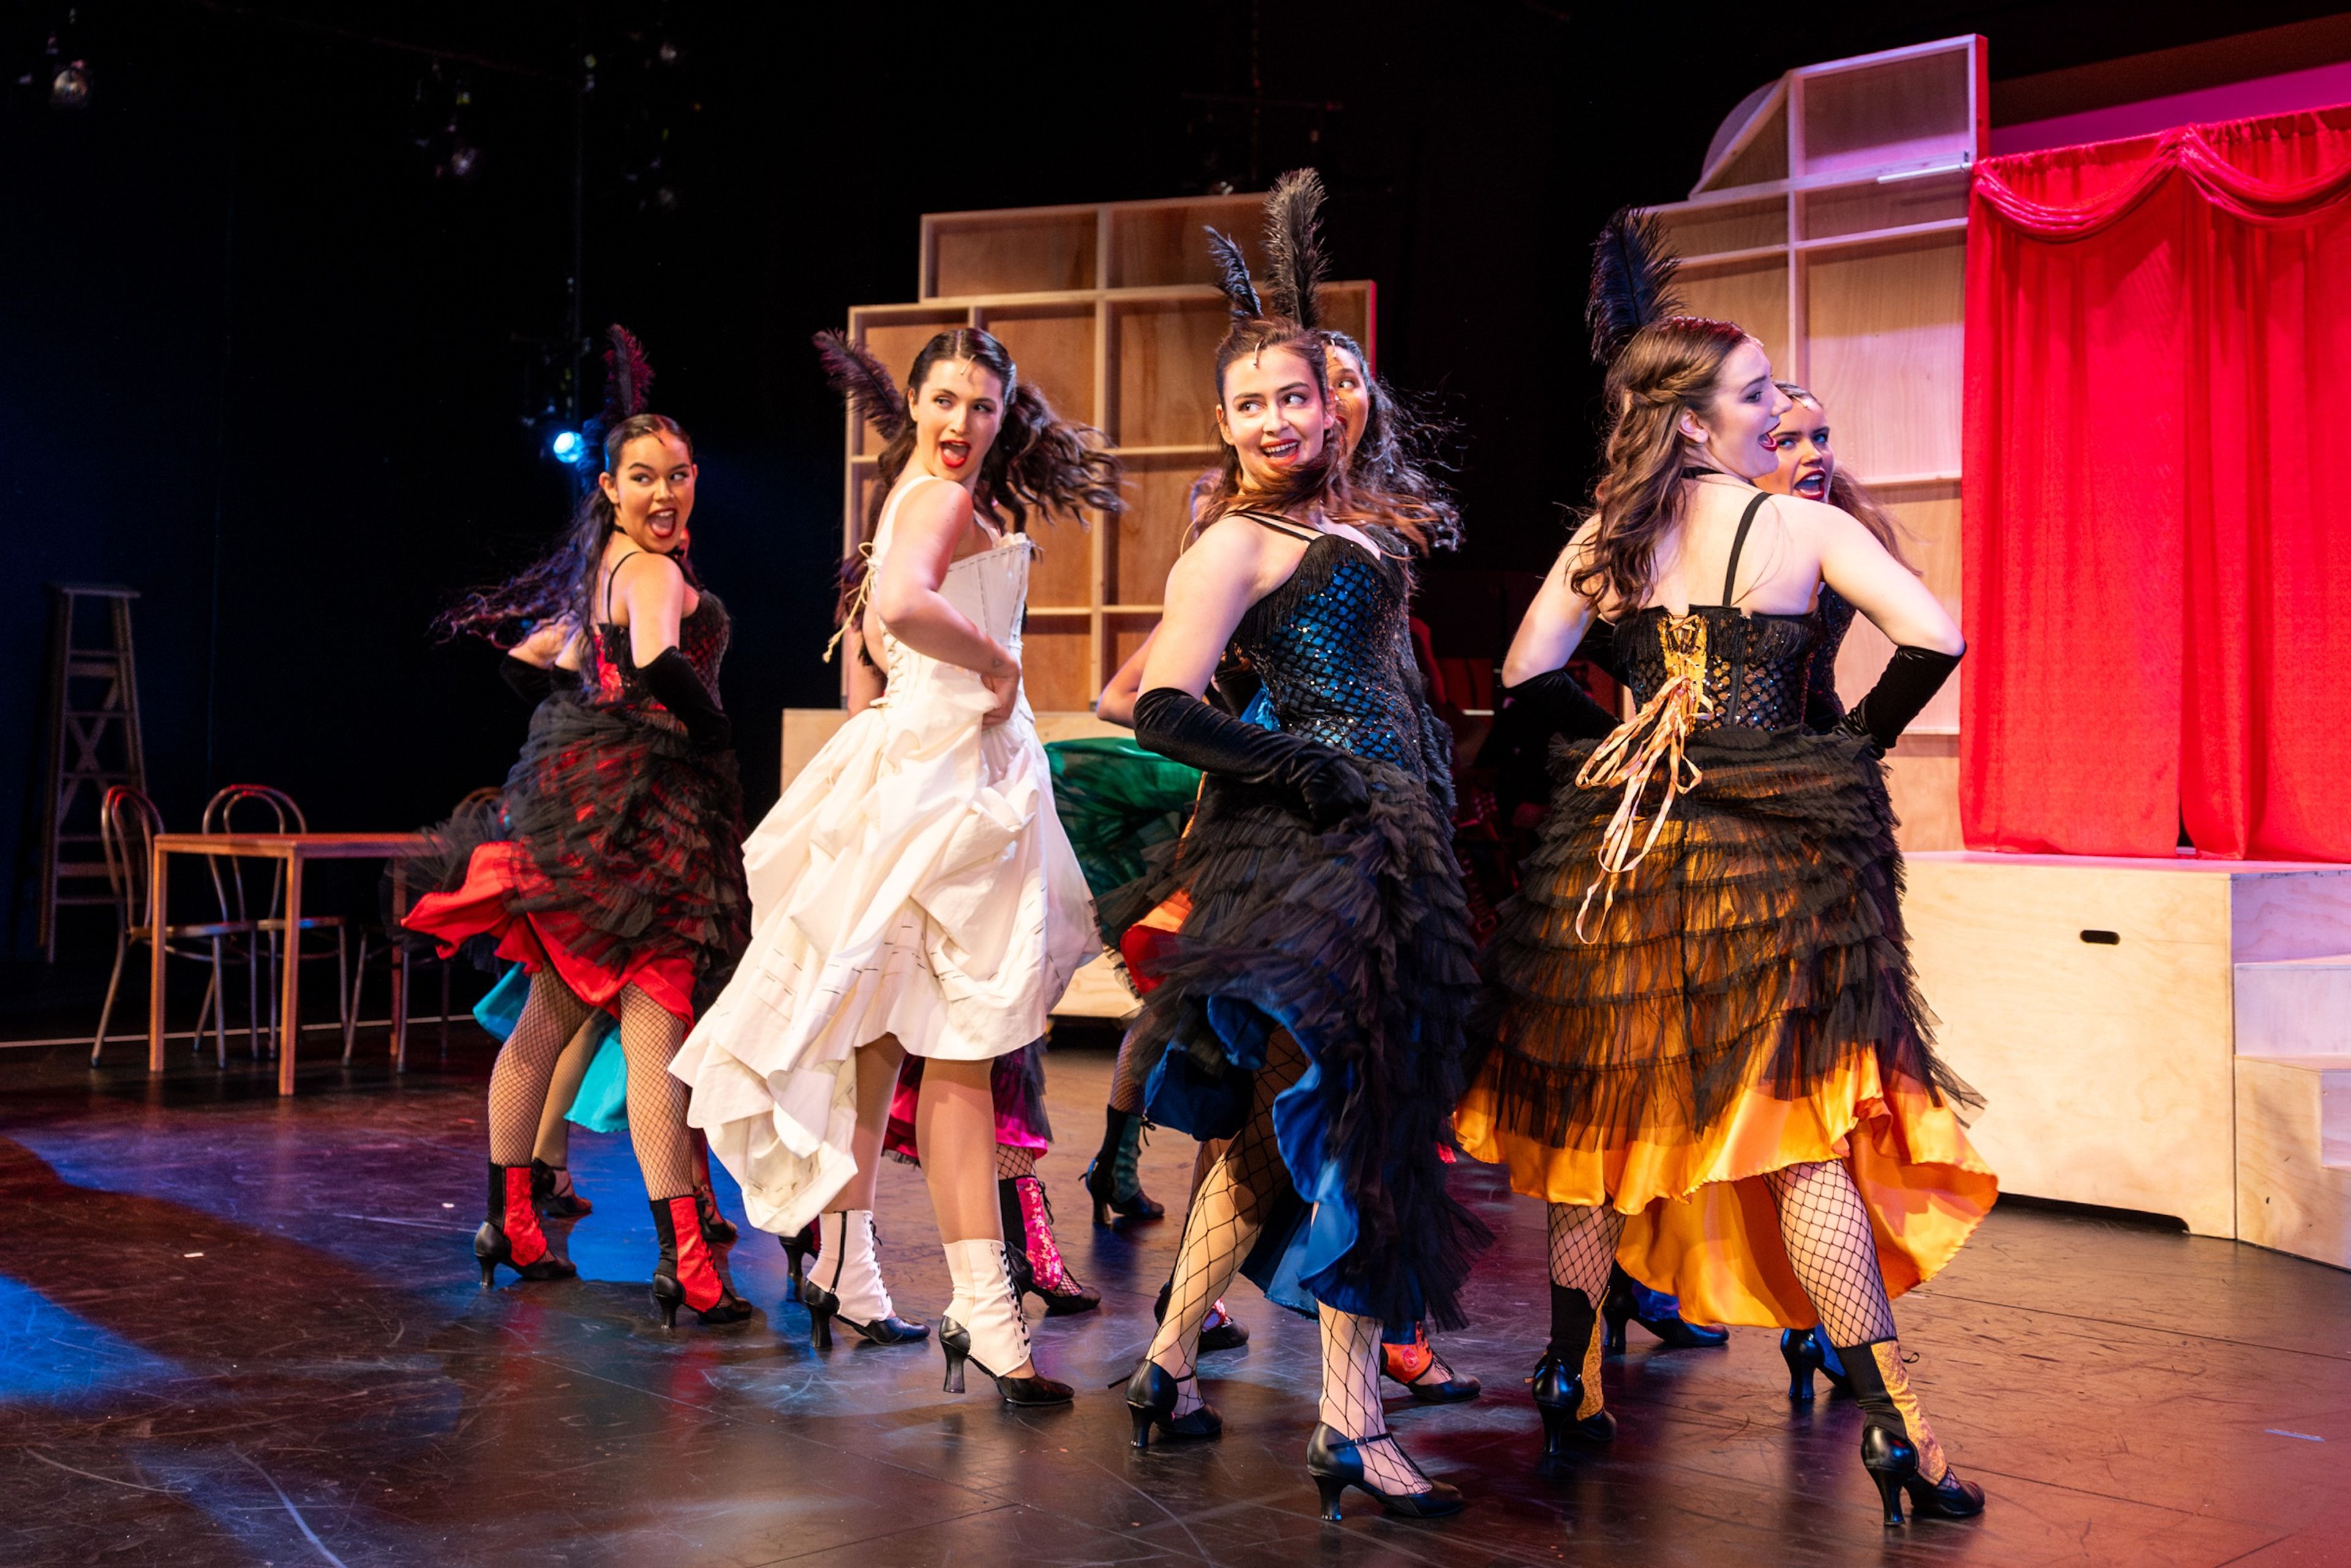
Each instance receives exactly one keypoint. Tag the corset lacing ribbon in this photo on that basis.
(1653, 738)
(856, 612)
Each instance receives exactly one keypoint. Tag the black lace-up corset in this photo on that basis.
(1335, 650)
(702, 637)
(1756, 666)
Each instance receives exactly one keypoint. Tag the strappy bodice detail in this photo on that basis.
(1757, 668)
(1334, 648)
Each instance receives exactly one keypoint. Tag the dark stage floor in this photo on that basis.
(239, 1330)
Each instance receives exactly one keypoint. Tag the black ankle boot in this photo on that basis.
(552, 1192)
(1559, 1383)
(799, 1249)
(1805, 1352)
(1220, 1331)
(1897, 1447)
(1112, 1180)
(510, 1233)
(686, 1276)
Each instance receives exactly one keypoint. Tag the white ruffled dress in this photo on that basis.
(913, 881)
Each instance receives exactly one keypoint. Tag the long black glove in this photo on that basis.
(532, 682)
(1323, 779)
(672, 680)
(1911, 677)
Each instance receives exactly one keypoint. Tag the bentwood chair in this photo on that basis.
(255, 890)
(387, 942)
(128, 823)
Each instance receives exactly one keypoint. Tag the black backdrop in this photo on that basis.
(259, 361)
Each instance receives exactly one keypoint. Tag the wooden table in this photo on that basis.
(296, 850)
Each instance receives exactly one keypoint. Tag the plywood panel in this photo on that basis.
(1127, 634)
(1163, 372)
(1734, 225)
(1922, 778)
(1054, 348)
(1024, 254)
(1153, 246)
(1901, 111)
(1931, 514)
(1856, 209)
(2106, 1070)
(1144, 543)
(1062, 574)
(1348, 308)
(2289, 1196)
(1763, 158)
(2302, 914)
(1753, 294)
(1884, 352)
(1055, 664)
(895, 339)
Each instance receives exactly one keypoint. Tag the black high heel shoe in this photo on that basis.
(1622, 1306)
(492, 1247)
(1150, 1396)
(1805, 1353)
(554, 1195)
(824, 1306)
(1336, 1463)
(955, 1340)
(1892, 1461)
(1221, 1331)
(509, 1214)
(1559, 1394)
(798, 1250)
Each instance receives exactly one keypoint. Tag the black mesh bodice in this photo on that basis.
(1758, 667)
(1334, 648)
(702, 637)
(1823, 706)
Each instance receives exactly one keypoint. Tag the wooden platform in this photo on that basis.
(2166, 1036)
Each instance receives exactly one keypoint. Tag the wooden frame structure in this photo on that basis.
(1830, 221)
(1111, 309)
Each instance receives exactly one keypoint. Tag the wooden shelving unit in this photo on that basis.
(1112, 310)
(1830, 220)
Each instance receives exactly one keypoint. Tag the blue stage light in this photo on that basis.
(567, 447)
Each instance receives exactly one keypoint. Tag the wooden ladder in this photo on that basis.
(93, 744)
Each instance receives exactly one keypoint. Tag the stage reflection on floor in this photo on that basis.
(241, 1330)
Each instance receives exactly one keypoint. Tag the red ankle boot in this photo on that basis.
(510, 1233)
(685, 1276)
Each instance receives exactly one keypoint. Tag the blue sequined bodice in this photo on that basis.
(1334, 646)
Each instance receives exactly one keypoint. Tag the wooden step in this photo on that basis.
(2293, 1155)
(2294, 1007)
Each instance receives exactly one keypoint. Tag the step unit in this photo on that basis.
(2293, 1155)
(2294, 1007)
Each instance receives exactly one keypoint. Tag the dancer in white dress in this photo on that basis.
(912, 891)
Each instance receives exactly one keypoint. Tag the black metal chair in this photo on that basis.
(395, 952)
(127, 825)
(255, 890)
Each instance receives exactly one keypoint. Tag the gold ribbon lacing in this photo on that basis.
(856, 611)
(1653, 736)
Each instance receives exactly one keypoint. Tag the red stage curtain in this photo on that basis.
(2157, 507)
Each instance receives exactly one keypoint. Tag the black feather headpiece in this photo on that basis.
(1233, 278)
(628, 379)
(1293, 247)
(1633, 272)
(856, 374)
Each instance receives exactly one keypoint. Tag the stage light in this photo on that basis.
(567, 447)
(70, 88)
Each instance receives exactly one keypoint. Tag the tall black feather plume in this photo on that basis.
(1233, 278)
(1293, 247)
(628, 379)
(856, 374)
(1632, 270)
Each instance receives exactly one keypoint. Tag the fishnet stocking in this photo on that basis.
(650, 1036)
(1014, 1162)
(1826, 1230)
(525, 1065)
(1582, 1245)
(1226, 1214)
(1128, 1076)
(1351, 1399)
(554, 1142)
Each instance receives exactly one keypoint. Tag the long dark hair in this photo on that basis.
(561, 584)
(1038, 461)
(1848, 494)
(1397, 450)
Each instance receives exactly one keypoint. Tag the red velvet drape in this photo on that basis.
(2157, 494)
